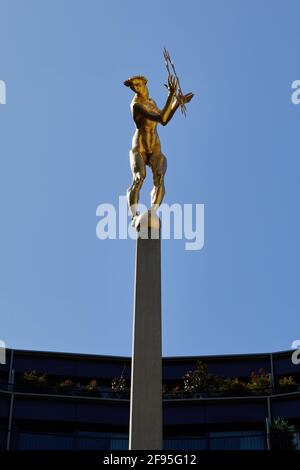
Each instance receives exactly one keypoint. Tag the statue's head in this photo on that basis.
(137, 83)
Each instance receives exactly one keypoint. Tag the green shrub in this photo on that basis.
(230, 385)
(282, 437)
(199, 379)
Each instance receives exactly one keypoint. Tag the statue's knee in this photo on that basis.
(139, 178)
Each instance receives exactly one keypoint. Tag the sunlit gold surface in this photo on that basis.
(146, 149)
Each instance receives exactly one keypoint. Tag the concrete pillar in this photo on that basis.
(145, 430)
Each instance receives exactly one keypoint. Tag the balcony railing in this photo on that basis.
(104, 393)
(30, 440)
(264, 391)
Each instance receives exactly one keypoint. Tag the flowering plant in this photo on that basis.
(66, 384)
(92, 386)
(199, 380)
(33, 377)
(118, 384)
(260, 381)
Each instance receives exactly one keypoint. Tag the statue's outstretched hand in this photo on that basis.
(172, 85)
(183, 99)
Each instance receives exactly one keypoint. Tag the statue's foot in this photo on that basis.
(147, 224)
(135, 220)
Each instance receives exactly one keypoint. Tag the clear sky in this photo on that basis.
(66, 131)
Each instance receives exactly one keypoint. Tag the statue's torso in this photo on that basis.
(145, 139)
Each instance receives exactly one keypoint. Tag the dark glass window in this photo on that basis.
(237, 440)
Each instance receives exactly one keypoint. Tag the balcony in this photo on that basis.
(105, 393)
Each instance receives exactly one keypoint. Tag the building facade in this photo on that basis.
(76, 401)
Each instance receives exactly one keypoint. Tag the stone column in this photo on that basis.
(145, 431)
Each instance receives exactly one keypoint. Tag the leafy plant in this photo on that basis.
(287, 382)
(282, 435)
(230, 385)
(177, 389)
(34, 378)
(118, 384)
(199, 380)
(260, 381)
(66, 385)
(92, 386)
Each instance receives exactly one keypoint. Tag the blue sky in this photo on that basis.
(65, 135)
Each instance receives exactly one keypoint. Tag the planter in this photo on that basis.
(32, 387)
(90, 393)
(288, 389)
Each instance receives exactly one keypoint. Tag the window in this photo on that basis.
(44, 441)
(237, 440)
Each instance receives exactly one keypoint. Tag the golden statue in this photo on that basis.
(146, 148)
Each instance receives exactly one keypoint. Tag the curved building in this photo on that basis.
(76, 401)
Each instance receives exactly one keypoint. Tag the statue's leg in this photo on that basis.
(158, 164)
(138, 169)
